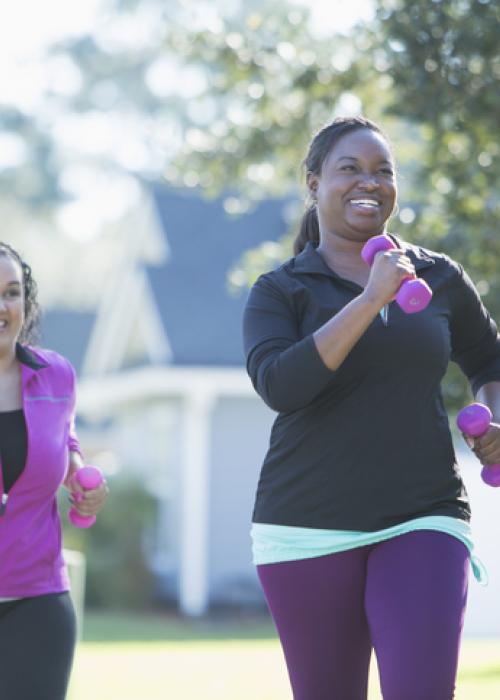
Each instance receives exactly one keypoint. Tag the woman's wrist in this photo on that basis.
(76, 459)
(371, 300)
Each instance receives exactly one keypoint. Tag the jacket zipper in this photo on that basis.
(5, 496)
(384, 314)
(3, 503)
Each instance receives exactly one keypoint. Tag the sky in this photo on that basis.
(339, 13)
(26, 74)
(22, 40)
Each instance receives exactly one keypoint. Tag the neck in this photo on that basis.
(335, 248)
(8, 360)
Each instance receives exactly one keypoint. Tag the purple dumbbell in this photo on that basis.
(89, 478)
(413, 295)
(474, 420)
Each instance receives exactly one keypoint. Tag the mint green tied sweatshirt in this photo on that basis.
(278, 543)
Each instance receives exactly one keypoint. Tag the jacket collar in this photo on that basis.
(309, 261)
(417, 255)
(28, 358)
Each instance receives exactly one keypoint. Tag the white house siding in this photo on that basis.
(240, 435)
(483, 612)
(146, 438)
(143, 441)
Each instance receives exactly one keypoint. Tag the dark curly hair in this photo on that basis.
(31, 327)
(319, 148)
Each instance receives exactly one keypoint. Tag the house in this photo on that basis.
(163, 392)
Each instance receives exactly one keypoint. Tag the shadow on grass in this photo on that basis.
(108, 626)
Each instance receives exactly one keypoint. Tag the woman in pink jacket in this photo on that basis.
(39, 451)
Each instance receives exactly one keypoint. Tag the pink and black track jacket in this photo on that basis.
(31, 561)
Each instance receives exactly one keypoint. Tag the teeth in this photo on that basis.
(365, 202)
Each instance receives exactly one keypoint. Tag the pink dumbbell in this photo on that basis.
(89, 478)
(413, 295)
(474, 420)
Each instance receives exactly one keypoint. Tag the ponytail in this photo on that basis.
(309, 230)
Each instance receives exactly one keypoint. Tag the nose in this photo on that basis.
(369, 182)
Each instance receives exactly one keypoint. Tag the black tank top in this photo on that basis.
(13, 446)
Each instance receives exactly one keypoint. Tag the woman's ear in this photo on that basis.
(312, 182)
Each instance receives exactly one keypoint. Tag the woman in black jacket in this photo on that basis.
(361, 523)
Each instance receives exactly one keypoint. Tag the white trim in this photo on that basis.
(143, 231)
(124, 301)
(154, 336)
(111, 323)
(100, 395)
(144, 241)
(195, 490)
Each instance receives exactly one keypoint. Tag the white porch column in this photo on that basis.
(195, 484)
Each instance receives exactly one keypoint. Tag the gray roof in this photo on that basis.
(67, 332)
(201, 317)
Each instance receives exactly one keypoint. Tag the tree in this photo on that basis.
(270, 85)
(444, 62)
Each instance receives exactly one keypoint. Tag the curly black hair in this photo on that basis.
(32, 313)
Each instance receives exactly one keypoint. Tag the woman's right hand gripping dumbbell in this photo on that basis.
(398, 273)
(389, 270)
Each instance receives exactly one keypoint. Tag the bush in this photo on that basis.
(118, 575)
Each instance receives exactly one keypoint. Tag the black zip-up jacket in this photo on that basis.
(366, 446)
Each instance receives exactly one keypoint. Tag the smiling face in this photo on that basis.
(356, 190)
(11, 303)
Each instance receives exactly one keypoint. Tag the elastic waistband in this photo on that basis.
(277, 543)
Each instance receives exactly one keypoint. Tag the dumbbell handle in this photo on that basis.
(474, 421)
(413, 295)
(88, 478)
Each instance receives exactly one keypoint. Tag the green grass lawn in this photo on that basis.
(162, 657)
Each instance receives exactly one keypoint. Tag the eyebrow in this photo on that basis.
(14, 282)
(355, 159)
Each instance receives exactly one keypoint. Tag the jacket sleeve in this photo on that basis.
(475, 342)
(286, 370)
(73, 441)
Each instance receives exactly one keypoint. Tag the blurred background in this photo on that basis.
(150, 169)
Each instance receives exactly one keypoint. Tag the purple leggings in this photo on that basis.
(404, 597)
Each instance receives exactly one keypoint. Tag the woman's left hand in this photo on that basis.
(487, 447)
(85, 502)
(88, 502)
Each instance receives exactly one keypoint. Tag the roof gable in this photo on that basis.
(201, 316)
(67, 332)
(128, 331)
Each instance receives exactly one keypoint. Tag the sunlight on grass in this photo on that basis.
(218, 667)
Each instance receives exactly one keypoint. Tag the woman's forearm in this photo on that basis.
(75, 460)
(336, 338)
(489, 394)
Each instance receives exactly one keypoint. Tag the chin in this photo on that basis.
(366, 232)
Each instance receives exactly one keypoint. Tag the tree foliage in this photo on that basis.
(269, 86)
(444, 60)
